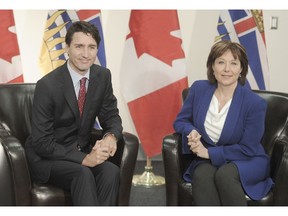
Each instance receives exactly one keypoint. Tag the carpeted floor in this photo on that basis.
(152, 195)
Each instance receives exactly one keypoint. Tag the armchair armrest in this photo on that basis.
(15, 178)
(125, 157)
(128, 162)
(170, 153)
(279, 165)
(175, 164)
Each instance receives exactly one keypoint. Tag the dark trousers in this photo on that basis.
(97, 186)
(213, 186)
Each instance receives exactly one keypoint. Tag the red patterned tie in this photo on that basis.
(82, 95)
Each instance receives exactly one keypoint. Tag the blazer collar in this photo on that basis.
(69, 92)
(94, 83)
(202, 112)
(233, 113)
(232, 116)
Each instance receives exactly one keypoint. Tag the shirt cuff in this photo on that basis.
(110, 134)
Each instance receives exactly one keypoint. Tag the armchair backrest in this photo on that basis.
(16, 107)
(276, 122)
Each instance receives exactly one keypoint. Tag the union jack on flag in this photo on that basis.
(246, 27)
(53, 47)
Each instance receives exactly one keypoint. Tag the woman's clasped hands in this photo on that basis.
(196, 145)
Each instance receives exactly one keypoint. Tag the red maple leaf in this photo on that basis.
(8, 40)
(151, 31)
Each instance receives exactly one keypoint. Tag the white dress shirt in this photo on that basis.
(215, 120)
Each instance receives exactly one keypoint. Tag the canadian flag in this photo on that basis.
(153, 75)
(10, 63)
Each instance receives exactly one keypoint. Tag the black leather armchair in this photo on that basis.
(16, 187)
(275, 142)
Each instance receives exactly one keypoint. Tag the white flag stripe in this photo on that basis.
(10, 71)
(156, 73)
(226, 18)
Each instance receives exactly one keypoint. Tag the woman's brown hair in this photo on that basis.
(238, 52)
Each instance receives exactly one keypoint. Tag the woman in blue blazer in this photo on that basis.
(222, 123)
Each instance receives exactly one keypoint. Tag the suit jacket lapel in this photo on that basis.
(232, 116)
(90, 96)
(203, 108)
(69, 93)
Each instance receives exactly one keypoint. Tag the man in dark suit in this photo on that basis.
(58, 148)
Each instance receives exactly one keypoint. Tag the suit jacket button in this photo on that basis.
(78, 147)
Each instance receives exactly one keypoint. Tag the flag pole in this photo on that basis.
(148, 179)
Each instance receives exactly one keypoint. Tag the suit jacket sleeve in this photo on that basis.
(184, 122)
(109, 114)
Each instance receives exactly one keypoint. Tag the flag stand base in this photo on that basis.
(148, 179)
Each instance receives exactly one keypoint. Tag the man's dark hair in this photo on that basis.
(85, 27)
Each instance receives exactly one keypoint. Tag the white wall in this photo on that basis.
(198, 29)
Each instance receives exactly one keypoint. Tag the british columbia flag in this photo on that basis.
(53, 46)
(246, 27)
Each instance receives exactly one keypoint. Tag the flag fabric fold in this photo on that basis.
(153, 75)
(10, 61)
(53, 46)
(247, 28)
